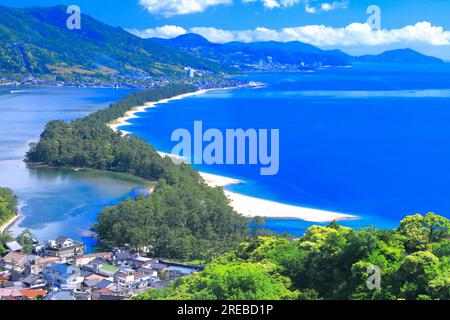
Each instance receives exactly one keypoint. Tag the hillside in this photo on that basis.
(294, 52)
(400, 56)
(240, 54)
(36, 40)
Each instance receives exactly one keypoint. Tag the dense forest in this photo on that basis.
(330, 262)
(8, 203)
(183, 218)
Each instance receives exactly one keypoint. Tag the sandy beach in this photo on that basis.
(123, 121)
(8, 224)
(245, 205)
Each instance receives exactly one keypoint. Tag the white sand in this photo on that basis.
(245, 205)
(123, 121)
(4, 227)
(255, 207)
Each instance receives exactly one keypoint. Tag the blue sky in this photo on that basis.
(342, 21)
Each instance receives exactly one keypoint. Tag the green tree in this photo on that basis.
(415, 273)
(26, 240)
(234, 281)
(420, 231)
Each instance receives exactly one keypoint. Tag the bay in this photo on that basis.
(372, 140)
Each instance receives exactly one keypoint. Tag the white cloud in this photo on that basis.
(175, 7)
(311, 6)
(334, 5)
(165, 32)
(355, 34)
(309, 9)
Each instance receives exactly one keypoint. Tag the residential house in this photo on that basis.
(106, 269)
(105, 294)
(122, 258)
(13, 246)
(28, 294)
(63, 276)
(89, 258)
(35, 266)
(103, 284)
(34, 281)
(137, 261)
(159, 267)
(15, 261)
(91, 280)
(160, 285)
(7, 293)
(64, 247)
(124, 278)
(61, 296)
(175, 272)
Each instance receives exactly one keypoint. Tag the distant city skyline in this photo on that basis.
(340, 24)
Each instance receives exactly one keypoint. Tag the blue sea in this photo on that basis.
(371, 140)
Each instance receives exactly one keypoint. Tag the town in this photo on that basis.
(61, 270)
(200, 78)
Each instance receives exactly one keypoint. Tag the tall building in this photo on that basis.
(190, 72)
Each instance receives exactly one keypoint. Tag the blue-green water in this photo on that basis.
(373, 140)
(55, 202)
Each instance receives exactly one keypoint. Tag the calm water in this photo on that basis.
(370, 140)
(55, 202)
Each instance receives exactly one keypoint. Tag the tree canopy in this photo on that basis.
(8, 203)
(331, 262)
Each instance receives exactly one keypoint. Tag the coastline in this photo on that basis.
(8, 224)
(123, 121)
(246, 205)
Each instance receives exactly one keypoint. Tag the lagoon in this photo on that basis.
(55, 202)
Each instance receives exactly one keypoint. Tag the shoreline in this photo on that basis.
(248, 206)
(10, 223)
(123, 121)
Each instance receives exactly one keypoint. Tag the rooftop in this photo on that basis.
(13, 246)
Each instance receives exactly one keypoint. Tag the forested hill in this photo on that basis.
(183, 218)
(37, 40)
(333, 262)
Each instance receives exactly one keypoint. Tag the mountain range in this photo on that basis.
(36, 40)
(238, 53)
(295, 52)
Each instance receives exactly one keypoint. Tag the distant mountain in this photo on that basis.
(36, 40)
(240, 54)
(185, 41)
(295, 52)
(400, 56)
